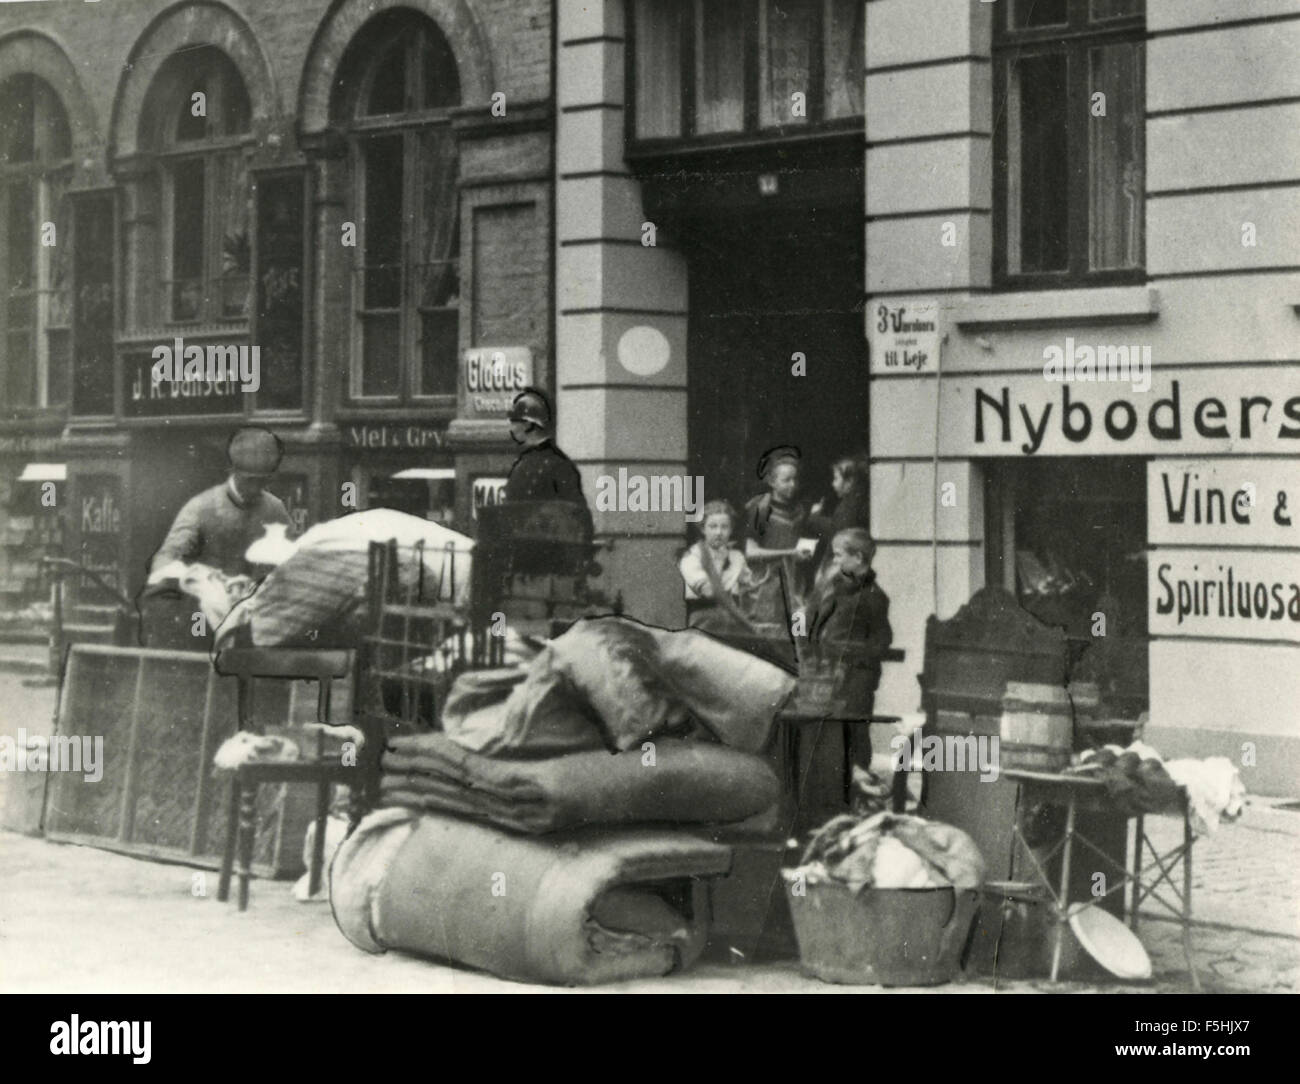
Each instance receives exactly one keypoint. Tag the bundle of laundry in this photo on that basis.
(890, 850)
(1139, 780)
(316, 597)
(613, 683)
(581, 907)
(217, 593)
(683, 782)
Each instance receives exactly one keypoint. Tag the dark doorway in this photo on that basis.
(763, 288)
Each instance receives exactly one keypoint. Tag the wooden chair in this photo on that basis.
(282, 664)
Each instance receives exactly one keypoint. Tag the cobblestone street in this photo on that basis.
(79, 919)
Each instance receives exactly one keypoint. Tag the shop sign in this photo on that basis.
(28, 444)
(393, 437)
(1235, 502)
(1238, 595)
(492, 376)
(1249, 409)
(99, 530)
(487, 492)
(147, 397)
(904, 336)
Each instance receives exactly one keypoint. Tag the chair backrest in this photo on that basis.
(286, 664)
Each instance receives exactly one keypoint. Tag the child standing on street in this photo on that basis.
(848, 619)
(775, 523)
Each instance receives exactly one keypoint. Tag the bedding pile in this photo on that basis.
(316, 597)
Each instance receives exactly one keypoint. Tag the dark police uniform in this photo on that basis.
(544, 473)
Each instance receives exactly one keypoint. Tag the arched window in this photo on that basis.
(35, 164)
(197, 120)
(398, 83)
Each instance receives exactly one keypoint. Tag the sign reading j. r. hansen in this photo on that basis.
(1237, 409)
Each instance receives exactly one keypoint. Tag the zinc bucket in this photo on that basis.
(882, 936)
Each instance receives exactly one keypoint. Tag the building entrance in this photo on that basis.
(767, 290)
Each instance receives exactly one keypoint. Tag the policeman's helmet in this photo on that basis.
(531, 406)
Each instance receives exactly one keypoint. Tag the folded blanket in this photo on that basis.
(582, 907)
(685, 782)
(616, 682)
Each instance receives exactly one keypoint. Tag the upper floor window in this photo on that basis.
(398, 85)
(35, 164)
(722, 68)
(199, 122)
(1069, 127)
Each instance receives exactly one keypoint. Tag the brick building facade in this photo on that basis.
(361, 189)
(686, 216)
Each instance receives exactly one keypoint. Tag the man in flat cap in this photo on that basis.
(214, 528)
(217, 526)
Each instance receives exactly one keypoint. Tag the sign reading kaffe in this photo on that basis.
(492, 377)
(1224, 589)
(99, 531)
(1236, 410)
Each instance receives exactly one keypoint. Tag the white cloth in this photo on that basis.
(1215, 791)
(695, 576)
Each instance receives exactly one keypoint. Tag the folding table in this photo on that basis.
(1077, 792)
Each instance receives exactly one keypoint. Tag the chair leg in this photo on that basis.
(850, 758)
(232, 831)
(247, 825)
(318, 845)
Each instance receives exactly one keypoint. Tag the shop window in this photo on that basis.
(1068, 538)
(716, 69)
(398, 87)
(1069, 132)
(198, 119)
(35, 164)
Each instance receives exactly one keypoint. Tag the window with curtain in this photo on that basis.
(1069, 141)
(716, 69)
(35, 164)
(199, 119)
(403, 82)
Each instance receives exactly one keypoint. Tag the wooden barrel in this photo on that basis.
(1037, 731)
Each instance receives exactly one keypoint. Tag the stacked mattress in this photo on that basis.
(553, 833)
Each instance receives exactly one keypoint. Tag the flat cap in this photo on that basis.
(254, 450)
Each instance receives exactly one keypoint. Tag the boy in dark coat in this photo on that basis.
(848, 618)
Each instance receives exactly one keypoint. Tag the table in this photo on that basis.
(1076, 792)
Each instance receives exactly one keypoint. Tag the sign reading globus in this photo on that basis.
(492, 377)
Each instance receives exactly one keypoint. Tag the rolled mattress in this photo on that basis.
(580, 907)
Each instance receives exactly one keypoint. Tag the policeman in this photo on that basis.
(542, 472)
(216, 526)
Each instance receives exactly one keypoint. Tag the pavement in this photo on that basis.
(79, 919)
